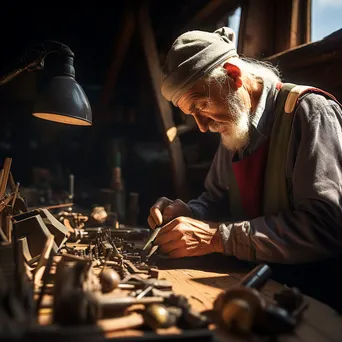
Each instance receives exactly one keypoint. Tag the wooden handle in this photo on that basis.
(127, 322)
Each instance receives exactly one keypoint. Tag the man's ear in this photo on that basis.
(235, 73)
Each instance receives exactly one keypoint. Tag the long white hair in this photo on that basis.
(251, 67)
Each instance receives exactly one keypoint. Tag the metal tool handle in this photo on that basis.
(257, 278)
(118, 303)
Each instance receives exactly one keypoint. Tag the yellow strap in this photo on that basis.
(292, 97)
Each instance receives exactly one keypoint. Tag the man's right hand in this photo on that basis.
(165, 210)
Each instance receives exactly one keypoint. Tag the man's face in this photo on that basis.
(219, 109)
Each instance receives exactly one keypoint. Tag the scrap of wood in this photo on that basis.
(5, 175)
(131, 321)
(5, 201)
(9, 228)
(16, 193)
(11, 181)
(3, 236)
(44, 257)
(55, 206)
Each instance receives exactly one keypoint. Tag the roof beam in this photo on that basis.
(165, 110)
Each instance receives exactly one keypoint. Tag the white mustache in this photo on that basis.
(215, 127)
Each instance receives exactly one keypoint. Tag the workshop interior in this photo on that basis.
(88, 144)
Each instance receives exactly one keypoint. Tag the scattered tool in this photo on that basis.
(243, 308)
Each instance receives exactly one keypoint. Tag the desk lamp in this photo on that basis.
(60, 97)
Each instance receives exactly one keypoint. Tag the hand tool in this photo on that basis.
(151, 239)
(239, 306)
(150, 248)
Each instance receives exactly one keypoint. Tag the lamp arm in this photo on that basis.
(34, 59)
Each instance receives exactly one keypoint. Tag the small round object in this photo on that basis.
(99, 214)
(156, 316)
(109, 280)
(238, 308)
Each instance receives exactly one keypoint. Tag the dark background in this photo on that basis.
(45, 153)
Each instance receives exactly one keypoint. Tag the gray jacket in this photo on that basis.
(313, 230)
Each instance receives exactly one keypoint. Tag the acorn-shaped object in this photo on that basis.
(109, 280)
(157, 316)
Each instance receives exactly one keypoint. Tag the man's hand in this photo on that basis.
(185, 236)
(165, 210)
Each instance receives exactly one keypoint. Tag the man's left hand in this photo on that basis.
(185, 236)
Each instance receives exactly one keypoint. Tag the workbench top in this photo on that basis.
(201, 279)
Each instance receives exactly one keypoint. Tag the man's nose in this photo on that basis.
(202, 122)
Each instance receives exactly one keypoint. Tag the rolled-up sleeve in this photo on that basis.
(313, 229)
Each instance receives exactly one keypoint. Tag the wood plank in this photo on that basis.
(295, 27)
(303, 55)
(4, 176)
(164, 107)
(200, 287)
(317, 64)
(256, 29)
(268, 27)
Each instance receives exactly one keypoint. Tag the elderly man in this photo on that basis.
(274, 190)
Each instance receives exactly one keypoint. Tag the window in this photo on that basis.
(234, 22)
(326, 18)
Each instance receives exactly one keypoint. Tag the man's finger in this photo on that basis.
(151, 222)
(173, 235)
(158, 208)
(178, 253)
(175, 209)
(168, 228)
(172, 246)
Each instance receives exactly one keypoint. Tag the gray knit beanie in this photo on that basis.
(191, 56)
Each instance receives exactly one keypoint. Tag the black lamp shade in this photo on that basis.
(63, 100)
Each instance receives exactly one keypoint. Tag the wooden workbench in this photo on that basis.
(201, 279)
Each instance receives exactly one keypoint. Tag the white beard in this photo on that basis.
(236, 134)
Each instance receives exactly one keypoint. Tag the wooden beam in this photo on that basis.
(165, 109)
(284, 26)
(121, 46)
(300, 23)
(295, 15)
(256, 29)
(317, 64)
(308, 12)
(310, 54)
(269, 27)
